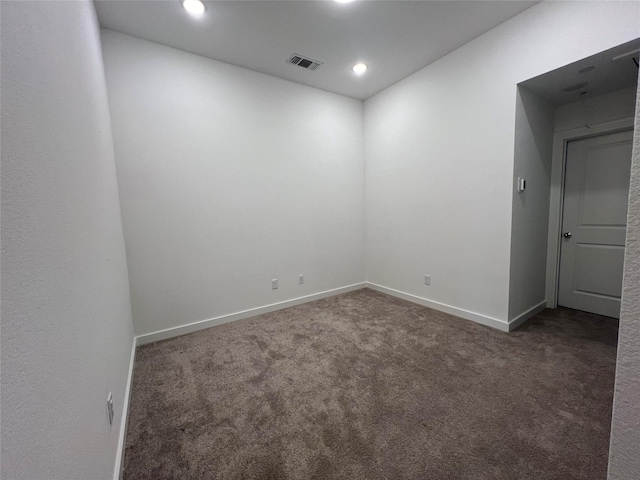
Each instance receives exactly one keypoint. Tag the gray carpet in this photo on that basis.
(366, 386)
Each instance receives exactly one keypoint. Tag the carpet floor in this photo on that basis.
(367, 386)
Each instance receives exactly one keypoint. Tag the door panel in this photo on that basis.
(594, 262)
(595, 213)
(605, 192)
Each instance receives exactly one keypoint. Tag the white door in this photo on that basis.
(594, 223)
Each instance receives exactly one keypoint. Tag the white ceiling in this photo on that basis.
(395, 38)
(567, 84)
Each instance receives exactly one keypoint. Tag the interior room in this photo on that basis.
(320, 239)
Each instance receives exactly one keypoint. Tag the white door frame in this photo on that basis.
(556, 197)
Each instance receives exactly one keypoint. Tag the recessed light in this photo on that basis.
(359, 68)
(194, 7)
(344, 1)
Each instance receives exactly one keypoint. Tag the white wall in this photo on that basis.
(624, 455)
(439, 149)
(603, 108)
(66, 317)
(530, 211)
(229, 178)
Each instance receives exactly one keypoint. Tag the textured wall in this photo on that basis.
(66, 316)
(229, 178)
(624, 456)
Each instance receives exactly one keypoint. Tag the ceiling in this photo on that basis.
(567, 84)
(394, 38)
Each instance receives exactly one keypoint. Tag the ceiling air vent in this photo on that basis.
(304, 62)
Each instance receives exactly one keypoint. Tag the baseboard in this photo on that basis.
(524, 316)
(458, 312)
(117, 471)
(232, 317)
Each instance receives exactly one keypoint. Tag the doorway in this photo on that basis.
(591, 98)
(594, 216)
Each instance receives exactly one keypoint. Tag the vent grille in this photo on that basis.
(304, 62)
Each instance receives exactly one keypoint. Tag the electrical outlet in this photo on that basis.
(110, 408)
(427, 279)
(300, 279)
(274, 284)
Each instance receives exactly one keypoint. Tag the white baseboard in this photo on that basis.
(117, 471)
(526, 315)
(458, 312)
(232, 317)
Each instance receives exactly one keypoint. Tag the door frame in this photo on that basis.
(556, 195)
